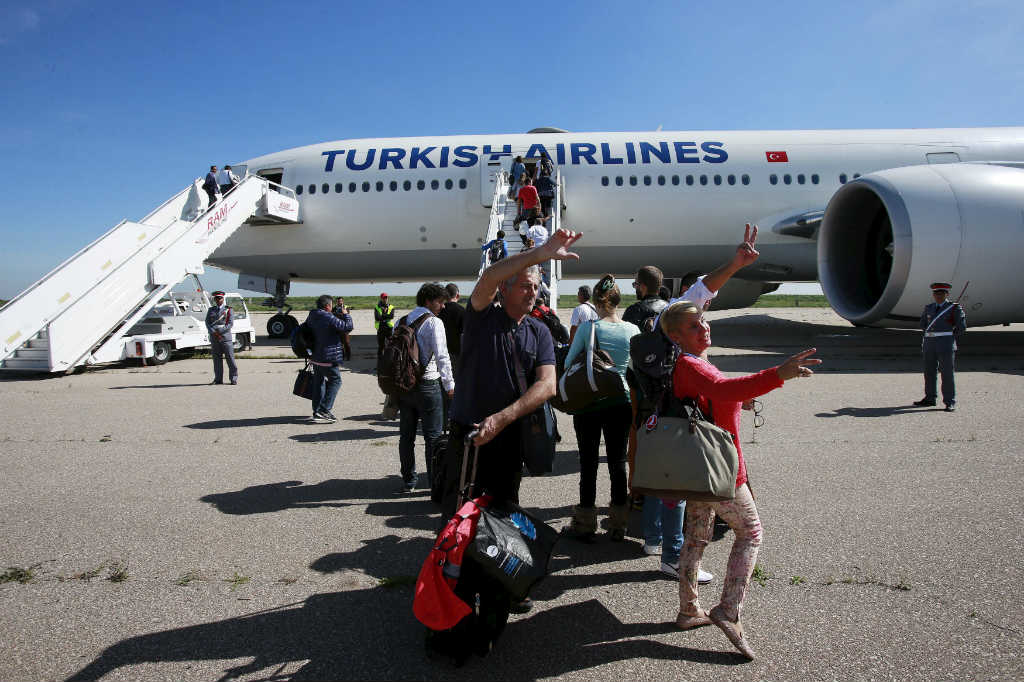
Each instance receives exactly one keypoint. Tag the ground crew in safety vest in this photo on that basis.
(384, 321)
(942, 321)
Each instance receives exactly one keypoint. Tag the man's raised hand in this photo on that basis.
(557, 246)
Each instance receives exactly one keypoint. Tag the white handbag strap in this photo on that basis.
(590, 356)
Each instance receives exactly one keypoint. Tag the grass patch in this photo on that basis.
(237, 581)
(393, 581)
(288, 580)
(90, 574)
(797, 580)
(16, 574)
(760, 575)
(187, 578)
(792, 301)
(118, 572)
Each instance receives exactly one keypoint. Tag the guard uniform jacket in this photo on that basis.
(942, 332)
(219, 320)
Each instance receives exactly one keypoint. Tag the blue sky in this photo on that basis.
(110, 108)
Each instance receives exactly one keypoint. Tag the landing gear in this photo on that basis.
(281, 325)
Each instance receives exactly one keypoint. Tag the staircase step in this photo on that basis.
(33, 354)
(26, 365)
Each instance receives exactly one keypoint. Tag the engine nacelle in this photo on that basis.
(887, 235)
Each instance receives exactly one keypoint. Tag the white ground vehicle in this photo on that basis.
(178, 322)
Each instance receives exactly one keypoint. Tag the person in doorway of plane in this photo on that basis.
(210, 185)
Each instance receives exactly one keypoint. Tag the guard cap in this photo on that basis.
(941, 286)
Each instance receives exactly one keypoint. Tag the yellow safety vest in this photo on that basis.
(384, 311)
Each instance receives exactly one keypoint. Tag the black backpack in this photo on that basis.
(399, 369)
(652, 359)
(495, 251)
(303, 340)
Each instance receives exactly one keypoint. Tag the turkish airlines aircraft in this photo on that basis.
(875, 215)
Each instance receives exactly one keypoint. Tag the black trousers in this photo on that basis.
(499, 467)
(614, 422)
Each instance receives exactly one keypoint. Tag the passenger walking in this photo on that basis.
(219, 321)
(516, 174)
(500, 342)
(226, 180)
(384, 321)
(328, 331)
(210, 186)
(610, 415)
(942, 322)
(695, 377)
(583, 312)
(340, 311)
(425, 402)
(546, 191)
(452, 316)
(495, 250)
(649, 304)
(529, 201)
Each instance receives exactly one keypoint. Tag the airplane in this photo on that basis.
(874, 215)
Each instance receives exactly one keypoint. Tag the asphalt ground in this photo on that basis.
(172, 530)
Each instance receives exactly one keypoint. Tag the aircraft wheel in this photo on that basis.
(278, 326)
(161, 352)
(292, 324)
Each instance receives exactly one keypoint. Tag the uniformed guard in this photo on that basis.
(219, 319)
(942, 321)
(384, 321)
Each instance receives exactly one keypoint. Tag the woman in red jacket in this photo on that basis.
(695, 377)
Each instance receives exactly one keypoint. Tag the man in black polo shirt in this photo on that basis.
(488, 398)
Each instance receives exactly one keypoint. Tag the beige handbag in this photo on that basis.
(685, 458)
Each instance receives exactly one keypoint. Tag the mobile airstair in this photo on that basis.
(503, 216)
(78, 313)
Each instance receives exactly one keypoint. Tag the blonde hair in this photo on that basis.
(673, 315)
(606, 293)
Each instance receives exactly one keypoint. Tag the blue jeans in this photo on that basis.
(325, 388)
(422, 403)
(662, 524)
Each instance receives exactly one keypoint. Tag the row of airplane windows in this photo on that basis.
(353, 187)
(774, 179)
(619, 181)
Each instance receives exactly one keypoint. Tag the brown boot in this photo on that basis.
(584, 523)
(618, 521)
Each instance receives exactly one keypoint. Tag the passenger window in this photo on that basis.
(338, 187)
(380, 186)
(675, 179)
(632, 180)
(325, 188)
(773, 178)
(800, 179)
(407, 185)
(647, 180)
(420, 184)
(731, 179)
(703, 179)
(434, 184)
(298, 189)
(689, 179)
(661, 179)
(842, 178)
(787, 179)
(618, 181)
(745, 179)
(814, 179)
(448, 184)
(366, 187)
(462, 183)
(351, 188)
(393, 185)
(312, 189)
(604, 180)
(718, 179)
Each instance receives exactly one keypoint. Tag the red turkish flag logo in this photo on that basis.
(777, 157)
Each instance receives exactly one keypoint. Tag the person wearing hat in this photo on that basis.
(942, 321)
(384, 321)
(219, 319)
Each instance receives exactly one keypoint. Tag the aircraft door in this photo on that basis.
(275, 175)
(488, 178)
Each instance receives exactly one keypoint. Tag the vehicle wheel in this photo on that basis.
(292, 324)
(277, 326)
(161, 352)
(238, 344)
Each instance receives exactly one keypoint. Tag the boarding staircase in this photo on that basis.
(503, 215)
(78, 313)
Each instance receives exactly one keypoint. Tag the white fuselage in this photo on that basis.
(417, 208)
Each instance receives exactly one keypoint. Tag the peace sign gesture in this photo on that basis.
(797, 365)
(745, 252)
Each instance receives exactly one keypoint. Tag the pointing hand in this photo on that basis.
(797, 365)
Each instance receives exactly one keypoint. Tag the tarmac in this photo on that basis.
(166, 529)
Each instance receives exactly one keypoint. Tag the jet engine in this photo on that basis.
(887, 235)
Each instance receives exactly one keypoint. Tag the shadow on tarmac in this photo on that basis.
(275, 497)
(245, 423)
(348, 434)
(876, 411)
(372, 634)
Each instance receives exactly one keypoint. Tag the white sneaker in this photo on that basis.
(672, 570)
(651, 550)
